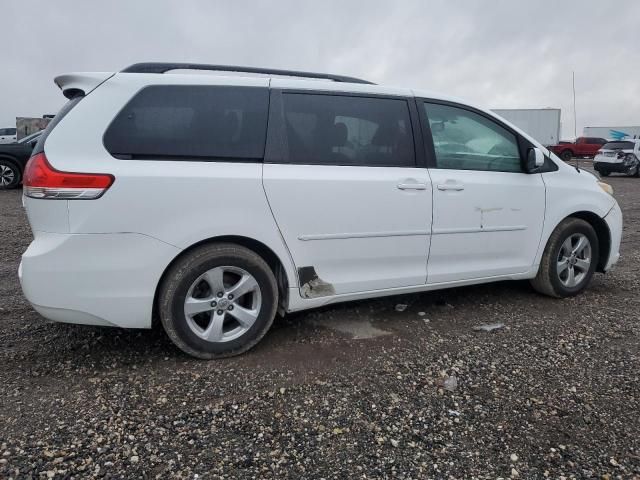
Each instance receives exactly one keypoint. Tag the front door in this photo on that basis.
(487, 213)
(351, 203)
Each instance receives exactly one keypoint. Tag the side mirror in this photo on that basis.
(535, 159)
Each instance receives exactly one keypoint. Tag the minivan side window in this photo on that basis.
(348, 130)
(465, 140)
(191, 122)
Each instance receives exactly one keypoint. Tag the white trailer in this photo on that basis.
(612, 133)
(543, 124)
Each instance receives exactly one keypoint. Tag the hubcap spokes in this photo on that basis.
(222, 304)
(6, 175)
(574, 260)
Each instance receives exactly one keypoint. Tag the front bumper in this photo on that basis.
(614, 222)
(94, 279)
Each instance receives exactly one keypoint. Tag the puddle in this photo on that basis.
(359, 329)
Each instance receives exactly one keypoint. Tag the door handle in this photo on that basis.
(412, 186)
(455, 186)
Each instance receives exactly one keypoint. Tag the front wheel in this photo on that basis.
(218, 300)
(569, 259)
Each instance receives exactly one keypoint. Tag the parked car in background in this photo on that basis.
(582, 147)
(8, 135)
(13, 158)
(215, 201)
(620, 156)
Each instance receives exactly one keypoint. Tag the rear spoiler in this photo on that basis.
(73, 84)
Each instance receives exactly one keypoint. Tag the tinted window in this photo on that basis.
(464, 140)
(191, 122)
(618, 146)
(7, 131)
(345, 130)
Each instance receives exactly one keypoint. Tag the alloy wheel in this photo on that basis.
(574, 260)
(222, 304)
(7, 175)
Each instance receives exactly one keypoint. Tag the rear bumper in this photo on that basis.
(614, 222)
(618, 167)
(94, 279)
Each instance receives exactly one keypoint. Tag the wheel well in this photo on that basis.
(12, 160)
(260, 248)
(604, 236)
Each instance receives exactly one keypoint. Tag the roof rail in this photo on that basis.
(159, 67)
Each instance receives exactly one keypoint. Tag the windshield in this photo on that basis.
(28, 138)
(618, 146)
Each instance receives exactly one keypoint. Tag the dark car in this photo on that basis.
(13, 158)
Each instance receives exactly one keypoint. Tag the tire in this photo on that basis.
(604, 173)
(552, 279)
(566, 155)
(10, 174)
(636, 174)
(207, 276)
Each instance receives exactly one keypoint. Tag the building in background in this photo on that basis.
(543, 124)
(28, 125)
(612, 133)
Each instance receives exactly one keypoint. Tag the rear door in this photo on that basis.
(349, 190)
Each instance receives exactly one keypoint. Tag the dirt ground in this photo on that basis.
(358, 390)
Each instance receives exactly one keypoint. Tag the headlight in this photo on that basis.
(606, 187)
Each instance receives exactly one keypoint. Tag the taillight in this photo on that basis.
(41, 180)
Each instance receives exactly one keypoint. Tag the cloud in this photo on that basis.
(500, 54)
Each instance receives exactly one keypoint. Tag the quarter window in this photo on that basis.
(348, 130)
(464, 140)
(196, 122)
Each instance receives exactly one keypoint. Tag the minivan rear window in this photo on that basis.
(191, 122)
(618, 146)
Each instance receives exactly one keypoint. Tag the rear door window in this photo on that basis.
(618, 146)
(348, 130)
(198, 122)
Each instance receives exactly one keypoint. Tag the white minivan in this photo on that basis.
(213, 201)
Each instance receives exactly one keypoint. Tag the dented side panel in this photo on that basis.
(491, 226)
(354, 225)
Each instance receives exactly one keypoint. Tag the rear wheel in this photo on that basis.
(604, 173)
(218, 300)
(569, 259)
(9, 174)
(566, 155)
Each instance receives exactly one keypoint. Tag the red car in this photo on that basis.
(582, 147)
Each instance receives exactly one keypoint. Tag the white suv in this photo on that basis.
(622, 156)
(214, 201)
(8, 135)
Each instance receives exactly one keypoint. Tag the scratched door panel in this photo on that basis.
(360, 228)
(484, 223)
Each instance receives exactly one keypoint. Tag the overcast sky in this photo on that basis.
(499, 54)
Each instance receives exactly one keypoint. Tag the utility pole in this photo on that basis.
(575, 117)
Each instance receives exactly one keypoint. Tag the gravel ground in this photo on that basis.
(358, 390)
